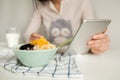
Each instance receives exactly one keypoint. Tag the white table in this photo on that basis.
(105, 66)
(101, 67)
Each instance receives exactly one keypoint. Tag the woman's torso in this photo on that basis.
(61, 25)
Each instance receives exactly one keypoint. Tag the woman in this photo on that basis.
(61, 19)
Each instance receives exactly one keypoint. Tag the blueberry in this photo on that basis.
(27, 47)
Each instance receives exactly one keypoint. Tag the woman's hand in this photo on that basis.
(99, 43)
(34, 36)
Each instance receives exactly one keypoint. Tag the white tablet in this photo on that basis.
(85, 32)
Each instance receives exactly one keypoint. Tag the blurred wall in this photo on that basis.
(14, 13)
(17, 13)
(110, 9)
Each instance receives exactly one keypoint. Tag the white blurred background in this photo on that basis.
(17, 13)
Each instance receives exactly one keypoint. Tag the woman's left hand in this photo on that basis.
(99, 43)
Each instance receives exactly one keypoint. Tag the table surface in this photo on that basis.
(105, 66)
(101, 67)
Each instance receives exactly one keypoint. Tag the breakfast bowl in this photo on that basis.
(34, 58)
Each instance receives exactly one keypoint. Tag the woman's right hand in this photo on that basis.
(34, 36)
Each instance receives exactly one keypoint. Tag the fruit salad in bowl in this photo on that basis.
(39, 44)
(36, 53)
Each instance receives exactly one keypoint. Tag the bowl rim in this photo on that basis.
(16, 48)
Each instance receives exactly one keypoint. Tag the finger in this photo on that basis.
(95, 46)
(99, 36)
(97, 41)
(95, 51)
(34, 38)
(31, 39)
(35, 35)
(100, 47)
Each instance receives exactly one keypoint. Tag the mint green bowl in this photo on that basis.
(35, 58)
